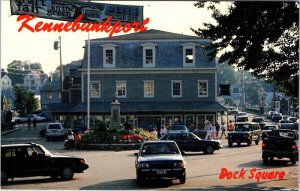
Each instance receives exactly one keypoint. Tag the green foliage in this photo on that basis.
(259, 36)
(25, 101)
(226, 73)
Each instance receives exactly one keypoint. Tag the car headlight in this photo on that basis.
(180, 164)
(143, 165)
(82, 161)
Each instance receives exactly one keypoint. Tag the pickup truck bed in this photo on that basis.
(280, 144)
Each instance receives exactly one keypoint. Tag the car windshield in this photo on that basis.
(242, 113)
(45, 150)
(54, 126)
(178, 127)
(243, 127)
(257, 119)
(277, 115)
(289, 126)
(159, 148)
(268, 127)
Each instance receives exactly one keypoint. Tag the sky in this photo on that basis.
(176, 16)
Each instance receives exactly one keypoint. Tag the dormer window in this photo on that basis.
(149, 55)
(109, 56)
(189, 55)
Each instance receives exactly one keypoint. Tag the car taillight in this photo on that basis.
(294, 146)
(263, 145)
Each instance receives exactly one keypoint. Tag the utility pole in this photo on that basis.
(57, 45)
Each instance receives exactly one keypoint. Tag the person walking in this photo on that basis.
(163, 131)
(28, 122)
(217, 129)
(231, 126)
(223, 128)
(34, 123)
(208, 129)
(213, 132)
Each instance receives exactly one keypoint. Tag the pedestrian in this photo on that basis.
(154, 132)
(163, 131)
(28, 122)
(213, 132)
(34, 123)
(223, 128)
(217, 128)
(71, 139)
(231, 126)
(208, 129)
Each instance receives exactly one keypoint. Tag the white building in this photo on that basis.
(34, 80)
(6, 83)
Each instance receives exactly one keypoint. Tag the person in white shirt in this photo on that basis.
(213, 132)
(208, 130)
(163, 131)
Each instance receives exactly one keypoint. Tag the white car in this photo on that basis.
(25, 119)
(54, 130)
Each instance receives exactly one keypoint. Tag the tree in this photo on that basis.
(261, 37)
(56, 74)
(226, 73)
(25, 101)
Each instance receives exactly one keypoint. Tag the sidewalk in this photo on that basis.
(10, 131)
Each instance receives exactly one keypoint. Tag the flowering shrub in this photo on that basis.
(131, 138)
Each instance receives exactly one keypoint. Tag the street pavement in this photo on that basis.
(111, 170)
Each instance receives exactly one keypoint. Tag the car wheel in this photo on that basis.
(257, 141)
(209, 149)
(67, 173)
(4, 176)
(229, 144)
(293, 160)
(182, 179)
(139, 179)
(265, 159)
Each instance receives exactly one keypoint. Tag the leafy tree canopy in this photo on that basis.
(261, 37)
(25, 101)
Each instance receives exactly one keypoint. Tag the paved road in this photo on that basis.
(110, 170)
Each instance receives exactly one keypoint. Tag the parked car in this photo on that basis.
(160, 159)
(281, 143)
(181, 128)
(30, 159)
(266, 130)
(31, 116)
(293, 119)
(188, 141)
(244, 132)
(276, 117)
(270, 114)
(232, 111)
(291, 126)
(55, 130)
(242, 117)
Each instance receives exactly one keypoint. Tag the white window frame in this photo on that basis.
(95, 82)
(122, 96)
(176, 81)
(184, 48)
(145, 93)
(150, 46)
(198, 85)
(109, 47)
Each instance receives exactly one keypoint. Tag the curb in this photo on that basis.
(110, 147)
(10, 131)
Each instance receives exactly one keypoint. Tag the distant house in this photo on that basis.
(160, 78)
(34, 80)
(6, 87)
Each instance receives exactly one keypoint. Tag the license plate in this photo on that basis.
(162, 172)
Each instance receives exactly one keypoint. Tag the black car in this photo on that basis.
(244, 132)
(266, 130)
(160, 159)
(276, 117)
(188, 141)
(181, 128)
(27, 160)
(259, 120)
(281, 143)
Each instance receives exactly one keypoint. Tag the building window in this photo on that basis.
(189, 55)
(148, 88)
(202, 88)
(149, 55)
(176, 88)
(236, 90)
(121, 89)
(32, 82)
(49, 95)
(95, 90)
(109, 55)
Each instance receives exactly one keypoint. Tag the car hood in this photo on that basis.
(238, 132)
(149, 158)
(64, 156)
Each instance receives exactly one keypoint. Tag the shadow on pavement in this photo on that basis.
(282, 163)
